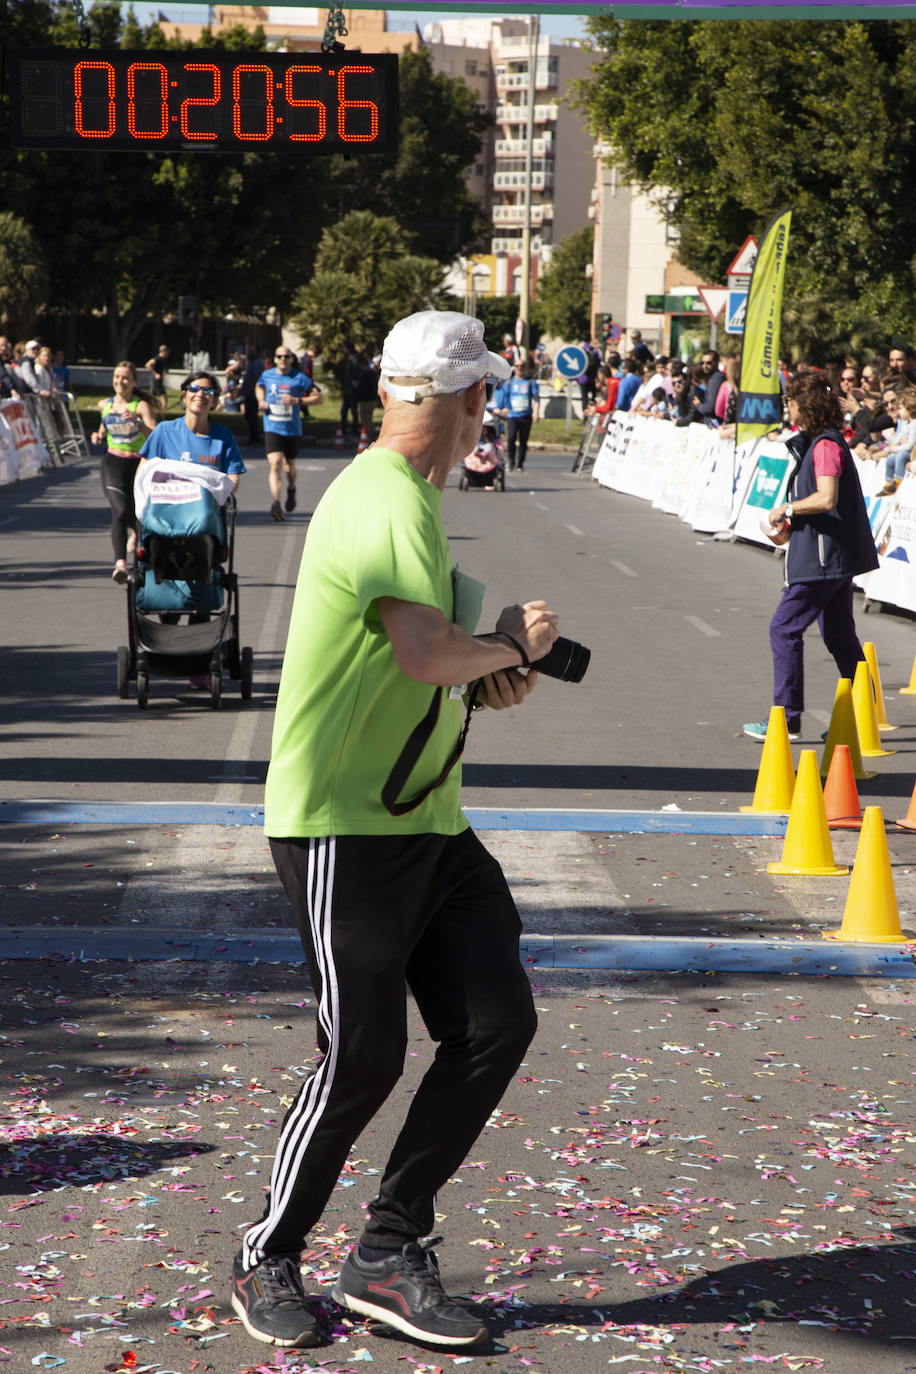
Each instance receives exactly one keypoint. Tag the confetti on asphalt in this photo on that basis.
(677, 1217)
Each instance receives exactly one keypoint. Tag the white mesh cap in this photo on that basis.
(440, 351)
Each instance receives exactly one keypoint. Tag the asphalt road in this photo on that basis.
(692, 1171)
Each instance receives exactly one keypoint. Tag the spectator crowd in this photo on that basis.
(877, 397)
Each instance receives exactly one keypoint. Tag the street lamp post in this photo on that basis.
(524, 295)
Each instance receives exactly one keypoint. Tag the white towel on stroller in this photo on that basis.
(219, 484)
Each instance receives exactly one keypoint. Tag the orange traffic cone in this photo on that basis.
(871, 658)
(339, 440)
(776, 774)
(841, 800)
(871, 915)
(807, 849)
(909, 820)
(843, 731)
(910, 691)
(863, 704)
(363, 441)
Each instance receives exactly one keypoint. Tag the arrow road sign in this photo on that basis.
(571, 361)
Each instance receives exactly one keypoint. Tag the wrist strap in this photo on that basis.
(526, 661)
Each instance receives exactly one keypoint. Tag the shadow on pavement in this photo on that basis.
(76, 1159)
(862, 1291)
(635, 778)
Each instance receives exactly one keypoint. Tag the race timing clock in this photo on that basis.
(204, 101)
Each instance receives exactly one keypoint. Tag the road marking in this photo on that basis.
(701, 625)
(574, 529)
(622, 567)
(35, 812)
(623, 953)
(11, 520)
(540, 506)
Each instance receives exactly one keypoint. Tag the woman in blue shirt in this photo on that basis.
(193, 438)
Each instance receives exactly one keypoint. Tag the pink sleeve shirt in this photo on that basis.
(829, 459)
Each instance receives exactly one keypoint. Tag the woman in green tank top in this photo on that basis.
(126, 420)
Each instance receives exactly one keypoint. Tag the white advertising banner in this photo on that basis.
(613, 455)
(693, 473)
(768, 482)
(895, 580)
(24, 453)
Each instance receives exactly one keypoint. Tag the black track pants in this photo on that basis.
(118, 485)
(377, 914)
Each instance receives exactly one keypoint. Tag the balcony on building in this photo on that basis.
(518, 114)
(515, 214)
(501, 244)
(542, 146)
(515, 181)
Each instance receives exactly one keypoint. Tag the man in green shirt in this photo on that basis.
(389, 887)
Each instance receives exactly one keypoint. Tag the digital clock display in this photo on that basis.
(198, 100)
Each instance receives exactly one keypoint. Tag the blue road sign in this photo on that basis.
(735, 312)
(571, 361)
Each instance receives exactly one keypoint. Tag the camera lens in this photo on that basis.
(567, 661)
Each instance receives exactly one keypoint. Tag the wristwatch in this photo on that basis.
(789, 510)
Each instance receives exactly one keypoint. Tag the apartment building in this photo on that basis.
(635, 256)
(506, 52)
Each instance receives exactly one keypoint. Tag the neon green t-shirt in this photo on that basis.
(345, 709)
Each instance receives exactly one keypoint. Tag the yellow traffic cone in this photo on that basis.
(871, 915)
(910, 691)
(807, 849)
(871, 658)
(776, 774)
(863, 704)
(843, 731)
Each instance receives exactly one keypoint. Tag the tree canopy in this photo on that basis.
(365, 278)
(727, 123)
(130, 232)
(565, 292)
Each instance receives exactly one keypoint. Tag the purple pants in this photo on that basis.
(830, 604)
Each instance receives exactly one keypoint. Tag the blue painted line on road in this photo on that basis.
(620, 953)
(481, 818)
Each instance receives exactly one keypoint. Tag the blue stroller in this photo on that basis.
(182, 592)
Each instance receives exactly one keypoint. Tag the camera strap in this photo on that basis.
(416, 743)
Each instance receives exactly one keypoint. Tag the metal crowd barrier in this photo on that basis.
(58, 421)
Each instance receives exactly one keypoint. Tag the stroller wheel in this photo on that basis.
(123, 671)
(462, 483)
(500, 482)
(142, 685)
(246, 673)
(216, 688)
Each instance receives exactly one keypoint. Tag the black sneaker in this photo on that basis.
(271, 1302)
(290, 498)
(406, 1292)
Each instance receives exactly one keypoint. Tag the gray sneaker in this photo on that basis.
(406, 1292)
(271, 1301)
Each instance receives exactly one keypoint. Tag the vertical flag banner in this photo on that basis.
(759, 399)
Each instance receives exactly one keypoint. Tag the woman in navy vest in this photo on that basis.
(825, 524)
